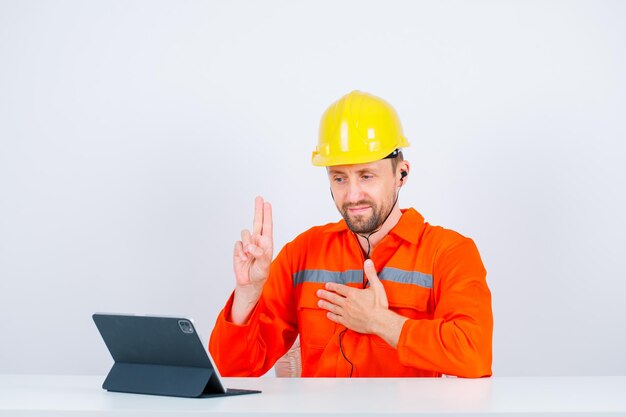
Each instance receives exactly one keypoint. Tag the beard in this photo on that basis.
(362, 223)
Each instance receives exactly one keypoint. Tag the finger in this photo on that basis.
(331, 297)
(370, 272)
(266, 243)
(257, 225)
(254, 250)
(245, 237)
(325, 305)
(238, 252)
(339, 288)
(375, 284)
(268, 225)
(336, 318)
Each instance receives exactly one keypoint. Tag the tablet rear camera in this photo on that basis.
(185, 326)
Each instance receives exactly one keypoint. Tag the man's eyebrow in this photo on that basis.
(367, 171)
(332, 171)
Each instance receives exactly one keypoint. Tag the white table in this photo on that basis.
(54, 395)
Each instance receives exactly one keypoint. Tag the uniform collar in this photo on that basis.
(409, 227)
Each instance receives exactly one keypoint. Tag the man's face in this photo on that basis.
(364, 193)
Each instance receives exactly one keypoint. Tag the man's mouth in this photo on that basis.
(358, 210)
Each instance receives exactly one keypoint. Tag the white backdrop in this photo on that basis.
(135, 135)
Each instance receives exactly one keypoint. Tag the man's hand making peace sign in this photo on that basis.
(251, 261)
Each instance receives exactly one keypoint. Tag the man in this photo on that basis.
(380, 293)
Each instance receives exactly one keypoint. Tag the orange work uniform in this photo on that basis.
(431, 275)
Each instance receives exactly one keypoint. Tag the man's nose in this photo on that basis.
(355, 192)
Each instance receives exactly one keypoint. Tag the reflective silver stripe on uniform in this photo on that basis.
(406, 277)
(356, 276)
(322, 276)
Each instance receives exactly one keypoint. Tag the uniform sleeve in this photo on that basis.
(458, 339)
(252, 349)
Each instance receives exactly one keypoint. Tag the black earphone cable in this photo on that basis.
(367, 238)
(343, 353)
(369, 247)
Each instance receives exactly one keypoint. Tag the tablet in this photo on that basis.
(160, 356)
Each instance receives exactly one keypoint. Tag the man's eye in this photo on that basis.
(367, 177)
(338, 180)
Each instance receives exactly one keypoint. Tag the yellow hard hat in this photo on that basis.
(357, 129)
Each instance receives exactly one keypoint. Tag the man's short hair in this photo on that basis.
(395, 161)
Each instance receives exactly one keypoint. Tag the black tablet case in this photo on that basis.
(153, 355)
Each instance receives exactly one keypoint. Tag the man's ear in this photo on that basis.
(403, 169)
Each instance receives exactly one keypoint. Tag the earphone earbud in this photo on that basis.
(403, 174)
